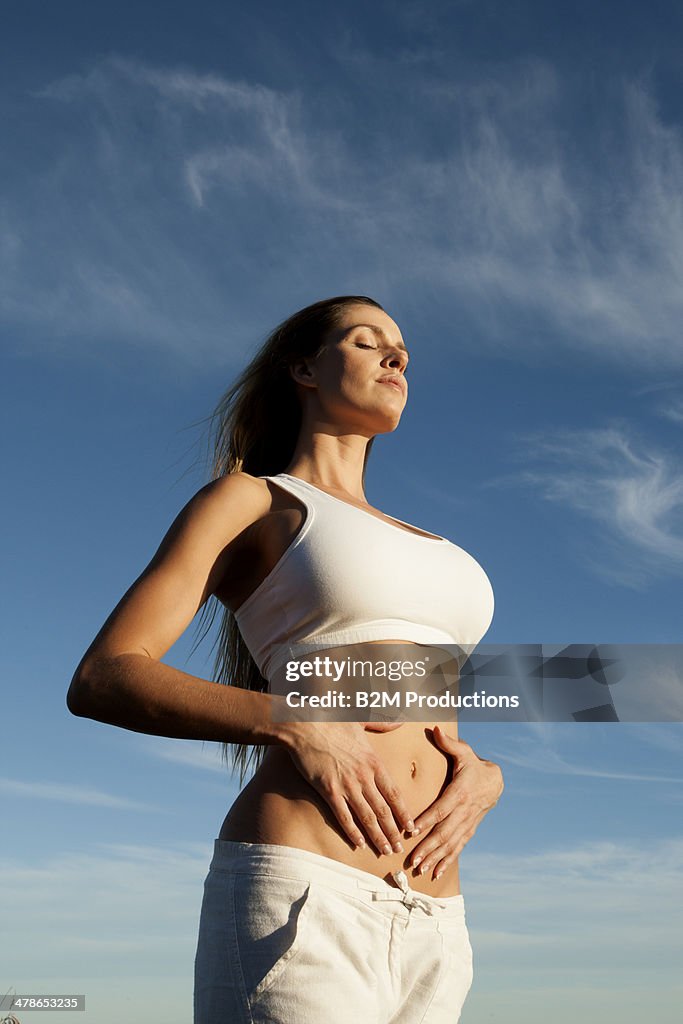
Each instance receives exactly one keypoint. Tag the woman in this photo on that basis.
(308, 914)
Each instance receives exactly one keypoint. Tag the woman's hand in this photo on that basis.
(454, 816)
(338, 761)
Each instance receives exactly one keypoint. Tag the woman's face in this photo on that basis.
(347, 384)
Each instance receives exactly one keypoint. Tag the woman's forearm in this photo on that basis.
(136, 692)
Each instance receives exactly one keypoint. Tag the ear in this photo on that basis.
(301, 371)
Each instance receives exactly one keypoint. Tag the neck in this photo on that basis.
(334, 463)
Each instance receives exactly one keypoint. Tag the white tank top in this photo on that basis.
(349, 576)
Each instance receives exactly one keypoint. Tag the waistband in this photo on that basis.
(290, 861)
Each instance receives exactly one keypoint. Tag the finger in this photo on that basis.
(450, 743)
(385, 819)
(452, 856)
(375, 817)
(429, 847)
(343, 815)
(455, 825)
(450, 848)
(437, 812)
(441, 866)
(394, 799)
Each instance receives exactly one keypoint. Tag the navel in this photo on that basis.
(413, 768)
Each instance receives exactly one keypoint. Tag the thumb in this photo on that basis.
(447, 742)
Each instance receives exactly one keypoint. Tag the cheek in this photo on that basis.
(350, 378)
(358, 384)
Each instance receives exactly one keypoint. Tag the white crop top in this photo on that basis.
(349, 576)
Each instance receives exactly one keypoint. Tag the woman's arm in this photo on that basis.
(122, 681)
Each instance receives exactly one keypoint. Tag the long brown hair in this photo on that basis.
(254, 429)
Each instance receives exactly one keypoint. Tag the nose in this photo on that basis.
(397, 361)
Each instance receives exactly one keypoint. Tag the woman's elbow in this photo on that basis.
(79, 697)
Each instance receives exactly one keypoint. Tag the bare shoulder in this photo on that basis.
(231, 503)
(237, 484)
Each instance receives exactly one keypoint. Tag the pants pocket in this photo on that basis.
(270, 915)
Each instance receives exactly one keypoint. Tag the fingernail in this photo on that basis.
(398, 848)
(410, 826)
(415, 831)
(438, 875)
(416, 861)
(386, 849)
(423, 869)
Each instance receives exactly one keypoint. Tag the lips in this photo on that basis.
(395, 382)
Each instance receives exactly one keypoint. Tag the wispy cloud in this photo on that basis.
(116, 922)
(633, 490)
(670, 400)
(574, 917)
(592, 750)
(672, 410)
(186, 753)
(161, 197)
(551, 762)
(71, 794)
(668, 738)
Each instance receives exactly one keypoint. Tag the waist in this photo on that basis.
(278, 806)
(294, 862)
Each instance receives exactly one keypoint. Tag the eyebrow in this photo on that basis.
(380, 333)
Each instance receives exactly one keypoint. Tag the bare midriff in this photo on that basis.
(278, 806)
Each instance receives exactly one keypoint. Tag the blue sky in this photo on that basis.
(505, 178)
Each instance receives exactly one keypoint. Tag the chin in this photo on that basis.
(388, 426)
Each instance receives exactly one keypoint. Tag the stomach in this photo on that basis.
(278, 806)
